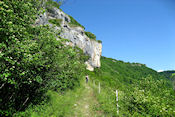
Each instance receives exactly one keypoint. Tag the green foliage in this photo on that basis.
(106, 99)
(167, 74)
(17, 54)
(90, 35)
(56, 104)
(32, 61)
(173, 74)
(142, 91)
(150, 97)
(170, 74)
(74, 23)
(99, 41)
(57, 22)
(50, 4)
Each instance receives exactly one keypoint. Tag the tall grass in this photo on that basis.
(56, 104)
(106, 99)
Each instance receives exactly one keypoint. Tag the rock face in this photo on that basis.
(76, 34)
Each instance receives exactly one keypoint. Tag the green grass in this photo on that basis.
(71, 103)
(87, 103)
(57, 22)
(74, 23)
(57, 105)
(130, 79)
(99, 41)
(90, 35)
(51, 3)
(106, 99)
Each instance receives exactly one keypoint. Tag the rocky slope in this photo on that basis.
(76, 34)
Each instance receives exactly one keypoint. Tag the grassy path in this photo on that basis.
(80, 102)
(86, 104)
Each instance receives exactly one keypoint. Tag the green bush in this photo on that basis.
(99, 41)
(51, 4)
(32, 61)
(150, 97)
(142, 91)
(90, 35)
(56, 104)
(57, 22)
(74, 23)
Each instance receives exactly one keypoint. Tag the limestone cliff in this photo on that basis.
(76, 34)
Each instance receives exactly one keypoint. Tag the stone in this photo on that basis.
(76, 35)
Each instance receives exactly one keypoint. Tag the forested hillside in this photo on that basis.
(142, 91)
(168, 74)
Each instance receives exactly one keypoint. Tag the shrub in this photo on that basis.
(142, 91)
(31, 59)
(57, 22)
(99, 41)
(90, 35)
(51, 4)
(74, 23)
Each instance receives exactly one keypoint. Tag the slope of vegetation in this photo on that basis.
(142, 91)
(32, 61)
(40, 76)
(50, 4)
(57, 22)
(167, 74)
(170, 75)
(74, 23)
(55, 104)
(90, 35)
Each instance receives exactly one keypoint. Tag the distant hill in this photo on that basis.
(142, 90)
(125, 72)
(167, 74)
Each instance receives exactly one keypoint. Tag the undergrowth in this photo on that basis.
(90, 35)
(142, 91)
(32, 59)
(74, 23)
(57, 22)
(55, 104)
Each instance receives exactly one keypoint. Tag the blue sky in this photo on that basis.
(131, 30)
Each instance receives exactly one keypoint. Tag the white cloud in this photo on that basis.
(160, 70)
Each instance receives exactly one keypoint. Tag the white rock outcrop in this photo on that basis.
(76, 34)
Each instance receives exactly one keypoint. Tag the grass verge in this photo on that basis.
(57, 105)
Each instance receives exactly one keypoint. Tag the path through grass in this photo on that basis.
(85, 106)
(80, 102)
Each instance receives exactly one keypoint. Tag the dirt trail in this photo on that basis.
(85, 106)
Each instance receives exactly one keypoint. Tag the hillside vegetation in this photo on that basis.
(168, 74)
(32, 60)
(142, 91)
(40, 76)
